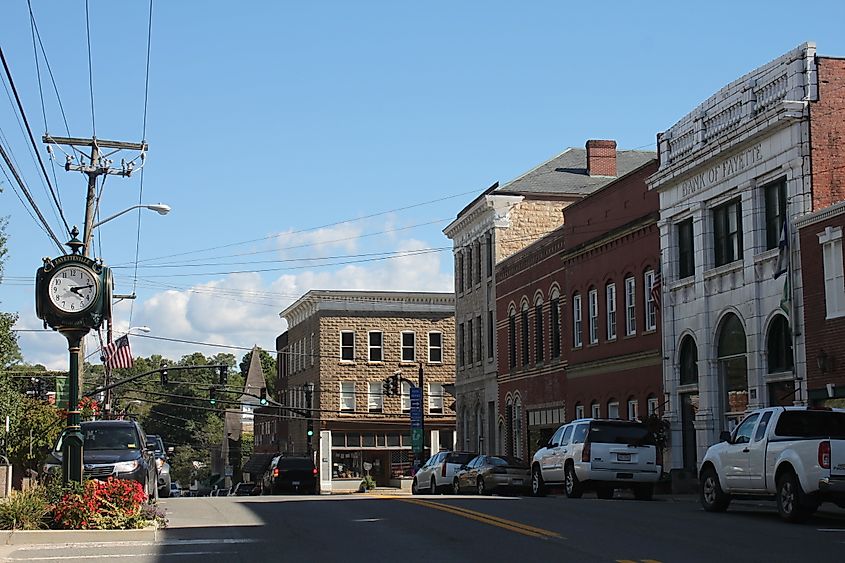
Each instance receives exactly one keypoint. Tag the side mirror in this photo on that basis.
(725, 436)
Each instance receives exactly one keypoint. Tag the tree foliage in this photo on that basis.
(33, 425)
(10, 352)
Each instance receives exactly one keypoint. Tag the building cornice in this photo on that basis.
(492, 210)
(820, 215)
(614, 364)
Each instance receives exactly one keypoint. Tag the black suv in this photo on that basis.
(112, 448)
(293, 474)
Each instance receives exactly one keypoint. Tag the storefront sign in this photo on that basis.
(722, 171)
(416, 419)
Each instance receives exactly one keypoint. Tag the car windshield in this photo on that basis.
(620, 433)
(812, 424)
(295, 463)
(106, 437)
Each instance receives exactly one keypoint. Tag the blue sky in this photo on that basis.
(273, 118)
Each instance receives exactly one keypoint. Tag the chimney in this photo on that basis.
(601, 158)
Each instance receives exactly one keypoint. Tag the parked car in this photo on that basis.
(243, 490)
(175, 491)
(795, 455)
(291, 474)
(111, 448)
(486, 474)
(162, 465)
(598, 454)
(436, 474)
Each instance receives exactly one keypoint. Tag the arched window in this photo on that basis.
(539, 333)
(689, 361)
(579, 410)
(780, 346)
(612, 408)
(595, 409)
(576, 321)
(517, 427)
(733, 369)
(554, 323)
(526, 356)
(479, 425)
(465, 428)
(512, 338)
(633, 408)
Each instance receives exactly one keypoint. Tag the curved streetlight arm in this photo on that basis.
(160, 208)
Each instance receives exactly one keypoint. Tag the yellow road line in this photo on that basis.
(518, 527)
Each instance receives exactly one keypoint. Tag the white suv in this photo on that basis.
(438, 472)
(598, 454)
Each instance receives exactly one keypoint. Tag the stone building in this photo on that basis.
(497, 224)
(341, 346)
(734, 175)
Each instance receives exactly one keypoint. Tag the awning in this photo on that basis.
(258, 463)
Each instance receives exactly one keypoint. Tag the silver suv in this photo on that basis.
(437, 473)
(598, 454)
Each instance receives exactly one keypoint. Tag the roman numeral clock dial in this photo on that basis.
(73, 289)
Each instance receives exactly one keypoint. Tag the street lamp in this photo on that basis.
(160, 208)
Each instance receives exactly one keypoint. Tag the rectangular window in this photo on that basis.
(554, 322)
(478, 332)
(775, 194)
(512, 340)
(347, 346)
(686, 249)
(313, 349)
(611, 311)
(435, 347)
(630, 306)
(406, 396)
(576, 321)
(648, 300)
(613, 409)
(478, 262)
(489, 253)
(470, 269)
(579, 411)
(375, 397)
(834, 278)
(651, 405)
(593, 297)
(470, 338)
(539, 336)
(524, 327)
(347, 396)
(727, 229)
(633, 409)
(435, 398)
(459, 271)
(461, 337)
(409, 346)
(376, 341)
(491, 334)
(595, 410)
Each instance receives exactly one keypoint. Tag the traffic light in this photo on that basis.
(163, 373)
(212, 395)
(387, 387)
(310, 431)
(224, 375)
(262, 396)
(394, 385)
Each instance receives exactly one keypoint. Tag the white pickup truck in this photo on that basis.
(793, 454)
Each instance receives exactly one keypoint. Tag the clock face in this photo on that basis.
(72, 289)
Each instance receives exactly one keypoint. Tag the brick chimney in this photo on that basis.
(601, 158)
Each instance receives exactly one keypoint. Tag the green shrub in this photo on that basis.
(367, 484)
(25, 510)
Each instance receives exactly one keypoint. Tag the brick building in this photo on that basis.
(820, 239)
(343, 344)
(752, 158)
(611, 265)
(500, 222)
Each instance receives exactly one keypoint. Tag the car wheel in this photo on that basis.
(414, 489)
(793, 504)
(644, 492)
(456, 487)
(479, 486)
(604, 493)
(538, 487)
(574, 489)
(434, 490)
(713, 498)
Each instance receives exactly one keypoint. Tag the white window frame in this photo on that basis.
(612, 406)
(406, 396)
(834, 276)
(576, 321)
(630, 306)
(595, 410)
(413, 345)
(652, 405)
(352, 332)
(648, 299)
(633, 409)
(313, 350)
(371, 348)
(438, 348)
(593, 303)
(610, 291)
(579, 411)
(347, 397)
(375, 397)
(435, 398)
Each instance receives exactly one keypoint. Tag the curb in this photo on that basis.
(25, 537)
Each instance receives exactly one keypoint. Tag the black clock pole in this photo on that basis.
(73, 439)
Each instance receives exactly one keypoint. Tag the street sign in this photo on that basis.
(228, 471)
(416, 420)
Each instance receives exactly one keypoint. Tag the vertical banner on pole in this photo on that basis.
(416, 421)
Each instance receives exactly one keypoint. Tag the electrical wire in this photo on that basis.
(90, 69)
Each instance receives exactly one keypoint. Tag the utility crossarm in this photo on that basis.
(102, 143)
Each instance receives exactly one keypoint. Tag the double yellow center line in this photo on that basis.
(517, 527)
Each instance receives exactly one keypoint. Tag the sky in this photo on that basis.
(325, 145)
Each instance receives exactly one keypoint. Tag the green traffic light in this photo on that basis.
(263, 402)
(213, 401)
(310, 432)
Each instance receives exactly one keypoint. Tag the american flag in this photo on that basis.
(655, 289)
(118, 354)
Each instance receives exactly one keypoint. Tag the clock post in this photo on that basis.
(72, 296)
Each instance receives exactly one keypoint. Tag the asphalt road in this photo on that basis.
(444, 528)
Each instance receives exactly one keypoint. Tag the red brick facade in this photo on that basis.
(827, 134)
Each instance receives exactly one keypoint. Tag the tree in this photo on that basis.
(10, 352)
(268, 366)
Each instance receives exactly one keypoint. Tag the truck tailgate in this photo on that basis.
(837, 458)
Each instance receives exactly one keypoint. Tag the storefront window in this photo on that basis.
(734, 372)
(347, 465)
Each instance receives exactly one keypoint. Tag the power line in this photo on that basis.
(90, 70)
(49, 68)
